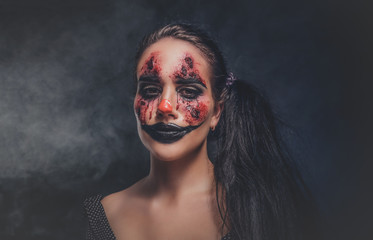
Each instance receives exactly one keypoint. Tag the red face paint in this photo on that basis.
(193, 105)
(165, 106)
(195, 111)
(151, 68)
(142, 106)
(152, 65)
(187, 69)
(192, 102)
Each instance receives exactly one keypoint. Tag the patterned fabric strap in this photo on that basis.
(98, 225)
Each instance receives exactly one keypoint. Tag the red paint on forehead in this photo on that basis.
(152, 65)
(187, 68)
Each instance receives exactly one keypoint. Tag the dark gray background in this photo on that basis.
(67, 128)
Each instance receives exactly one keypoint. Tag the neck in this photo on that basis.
(190, 174)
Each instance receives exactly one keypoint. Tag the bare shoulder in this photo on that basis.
(119, 201)
(121, 209)
(112, 202)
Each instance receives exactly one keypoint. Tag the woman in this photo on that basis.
(184, 93)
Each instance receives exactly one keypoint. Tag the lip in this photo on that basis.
(167, 133)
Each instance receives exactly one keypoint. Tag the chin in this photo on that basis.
(167, 152)
(187, 146)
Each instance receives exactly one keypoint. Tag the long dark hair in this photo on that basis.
(263, 195)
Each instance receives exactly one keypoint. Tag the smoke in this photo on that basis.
(66, 87)
(67, 126)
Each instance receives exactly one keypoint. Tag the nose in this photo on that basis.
(166, 110)
(165, 106)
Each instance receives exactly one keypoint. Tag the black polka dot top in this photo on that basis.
(98, 225)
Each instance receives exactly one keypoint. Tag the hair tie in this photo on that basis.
(230, 79)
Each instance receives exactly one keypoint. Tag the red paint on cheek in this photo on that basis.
(141, 108)
(195, 111)
(152, 65)
(151, 112)
(187, 69)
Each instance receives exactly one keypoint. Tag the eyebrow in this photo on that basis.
(151, 78)
(190, 81)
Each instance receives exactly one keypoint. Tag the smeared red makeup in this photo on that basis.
(190, 100)
(147, 97)
(192, 103)
(144, 109)
(152, 65)
(187, 69)
(195, 111)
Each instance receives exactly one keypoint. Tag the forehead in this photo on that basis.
(170, 52)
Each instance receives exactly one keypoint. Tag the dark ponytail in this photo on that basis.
(261, 194)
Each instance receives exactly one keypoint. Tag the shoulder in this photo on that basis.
(113, 202)
(121, 201)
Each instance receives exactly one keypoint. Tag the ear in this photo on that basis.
(218, 109)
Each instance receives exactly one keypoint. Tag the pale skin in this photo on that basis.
(177, 199)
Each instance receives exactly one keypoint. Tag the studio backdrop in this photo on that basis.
(67, 125)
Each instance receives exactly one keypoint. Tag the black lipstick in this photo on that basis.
(167, 133)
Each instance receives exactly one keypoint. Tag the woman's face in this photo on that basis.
(174, 104)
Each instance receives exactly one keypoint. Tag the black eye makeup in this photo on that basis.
(150, 87)
(190, 81)
(189, 93)
(149, 91)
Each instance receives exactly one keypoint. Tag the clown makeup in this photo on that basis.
(187, 69)
(149, 89)
(190, 96)
(188, 88)
(152, 66)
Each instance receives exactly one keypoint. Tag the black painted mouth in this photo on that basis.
(167, 133)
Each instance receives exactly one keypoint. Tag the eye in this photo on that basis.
(189, 92)
(150, 91)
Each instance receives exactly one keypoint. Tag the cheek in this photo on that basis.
(144, 109)
(195, 111)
